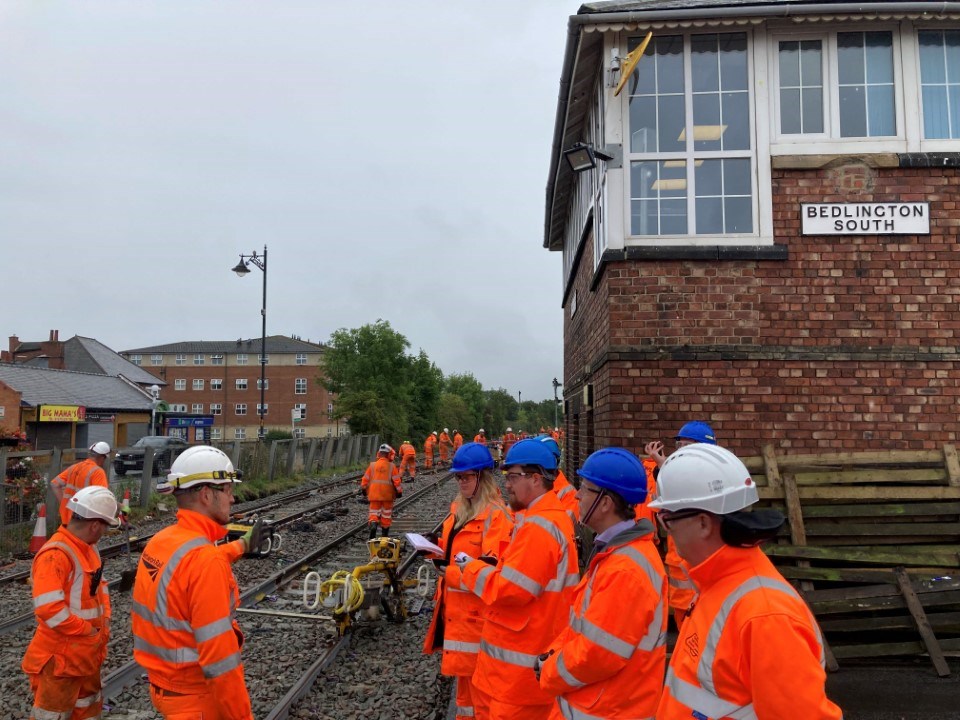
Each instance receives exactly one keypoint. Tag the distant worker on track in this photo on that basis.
(382, 486)
(408, 460)
(478, 524)
(72, 607)
(428, 446)
(480, 437)
(508, 440)
(80, 475)
(446, 445)
(457, 441)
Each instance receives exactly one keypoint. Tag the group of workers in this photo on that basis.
(527, 636)
(443, 444)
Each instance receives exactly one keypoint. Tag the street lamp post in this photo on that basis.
(155, 394)
(556, 403)
(242, 269)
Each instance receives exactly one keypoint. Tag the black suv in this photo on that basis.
(164, 450)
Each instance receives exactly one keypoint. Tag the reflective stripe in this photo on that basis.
(75, 601)
(90, 613)
(161, 621)
(460, 646)
(568, 677)
(212, 630)
(220, 667)
(482, 578)
(552, 529)
(565, 491)
(682, 584)
(513, 575)
(571, 713)
(511, 657)
(41, 714)
(48, 597)
(705, 702)
(88, 700)
(171, 655)
(167, 575)
(562, 579)
(58, 618)
(606, 640)
(464, 711)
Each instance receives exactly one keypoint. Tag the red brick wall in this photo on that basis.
(850, 343)
(10, 401)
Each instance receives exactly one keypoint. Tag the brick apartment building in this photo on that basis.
(772, 243)
(222, 379)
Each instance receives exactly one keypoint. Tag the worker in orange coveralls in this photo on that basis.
(479, 524)
(508, 440)
(428, 445)
(408, 460)
(457, 441)
(381, 485)
(80, 475)
(72, 607)
(480, 437)
(446, 445)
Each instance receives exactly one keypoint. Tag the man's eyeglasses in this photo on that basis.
(666, 518)
(584, 488)
(511, 476)
(224, 487)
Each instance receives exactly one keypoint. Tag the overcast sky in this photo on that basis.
(392, 156)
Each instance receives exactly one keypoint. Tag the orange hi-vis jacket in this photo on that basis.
(184, 599)
(429, 444)
(457, 632)
(76, 477)
(567, 494)
(609, 661)
(480, 438)
(528, 598)
(445, 441)
(643, 512)
(508, 440)
(683, 592)
(749, 649)
(457, 441)
(407, 450)
(66, 610)
(381, 480)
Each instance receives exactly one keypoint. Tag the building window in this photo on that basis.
(266, 409)
(156, 359)
(198, 384)
(198, 359)
(216, 409)
(691, 170)
(216, 384)
(180, 384)
(302, 409)
(241, 383)
(801, 87)
(197, 408)
(178, 408)
(266, 383)
(299, 433)
(136, 359)
(300, 386)
(216, 359)
(301, 358)
(181, 359)
(241, 358)
(265, 359)
(216, 433)
(240, 409)
(866, 89)
(940, 83)
(239, 433)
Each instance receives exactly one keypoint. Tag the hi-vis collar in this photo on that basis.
(214, 475)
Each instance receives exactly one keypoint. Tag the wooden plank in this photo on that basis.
(923, 625)
(929, 509)
(952, 463)
(877, 604)
(912, 557)
(879, 457)
(928, 476)
(873, 576)
(865, 492)
(771, 468)
(945, 621)
(945, 531)
(881, 542)
(923, 587)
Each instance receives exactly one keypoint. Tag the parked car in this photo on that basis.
(165, 449)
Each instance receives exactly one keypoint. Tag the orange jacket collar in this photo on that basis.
(726, 561)
(191, 520)
(87, 553)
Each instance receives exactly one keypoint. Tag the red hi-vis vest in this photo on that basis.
(76, 477)
(749, 649)
(528, 598)
(66, 610)
(381, 480)
(487, 534)
(184, 634)
(609, 661)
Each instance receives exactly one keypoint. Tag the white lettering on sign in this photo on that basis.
(865, 218)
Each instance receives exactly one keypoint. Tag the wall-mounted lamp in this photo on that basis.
(582, 157)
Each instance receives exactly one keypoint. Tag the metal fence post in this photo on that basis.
(146, 478)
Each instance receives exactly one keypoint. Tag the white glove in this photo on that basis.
(461, 559)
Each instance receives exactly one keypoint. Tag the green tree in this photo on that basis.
(500, 410)
(454, 412)
(369, 371)
(469, 389)
(425, 386)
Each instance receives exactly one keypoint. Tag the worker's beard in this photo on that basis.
(515, 504)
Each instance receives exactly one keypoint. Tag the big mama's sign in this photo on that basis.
(62, 413)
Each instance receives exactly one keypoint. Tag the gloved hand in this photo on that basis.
(462, 559)
(252, 538)
(399, 493)
(362, 492)
(538, 663)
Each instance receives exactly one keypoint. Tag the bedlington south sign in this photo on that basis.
(893, 218)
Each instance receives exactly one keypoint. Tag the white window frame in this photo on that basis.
(196, 408)
(216, 359)
(242, 359)
(301, 359)
(240, 384)
(216, 409)
(266, 383)
(198, 384)
(136, 359)
(181, 359)
(239, 433)
(178, 407)
(761, 181)
(266, 409)
(216, 384)
(302, 407)
(263, 359)
(300, 386)
(911, 68)
(216, 433)
(180, 384)
(199, 359)
(156, 359)
(299, 433)
(240, 409)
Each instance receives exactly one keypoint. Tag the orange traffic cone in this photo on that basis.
(39, 531)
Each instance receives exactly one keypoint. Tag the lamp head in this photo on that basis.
(241, 269)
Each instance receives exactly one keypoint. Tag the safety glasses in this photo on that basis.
(666, 519)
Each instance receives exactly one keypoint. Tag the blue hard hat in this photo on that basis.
(550, 443)
(471, 456)
(530, 452)
(619, 471)
(698, 431)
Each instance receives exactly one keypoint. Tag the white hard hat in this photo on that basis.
(100, 448)
(446, 430)
(385, 449)
(434, 432)
(201, 464)
(95, 503)
(509, 429)
(704, 477)
(481, 430)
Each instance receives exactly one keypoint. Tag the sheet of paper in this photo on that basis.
(420, 543)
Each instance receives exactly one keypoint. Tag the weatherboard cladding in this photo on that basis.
(276, 344)
(41, 386)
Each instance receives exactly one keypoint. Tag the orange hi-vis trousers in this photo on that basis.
(486, 707)
(381, 511)
(409, 463)
(174, 705)
(69, 698)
